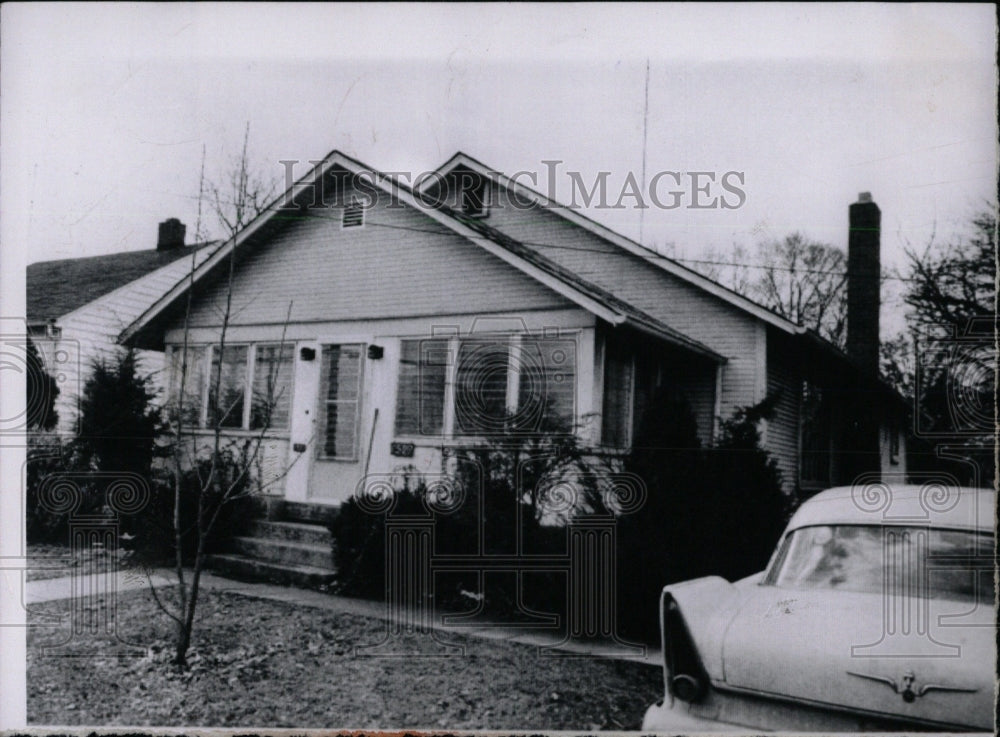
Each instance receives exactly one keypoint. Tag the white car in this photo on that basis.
(875, 613)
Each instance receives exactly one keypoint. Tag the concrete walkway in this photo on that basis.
(56, 589)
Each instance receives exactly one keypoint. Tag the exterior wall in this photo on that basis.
(91, 332)
(686, 308)
(308, 478)
(784, 430)
(893, 465)
(400, 263)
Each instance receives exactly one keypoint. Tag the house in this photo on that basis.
(76, 308)
(393, 321)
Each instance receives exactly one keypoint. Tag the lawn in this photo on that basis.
(47, 560)
(264, 663)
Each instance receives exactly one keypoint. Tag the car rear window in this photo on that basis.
(927, 562)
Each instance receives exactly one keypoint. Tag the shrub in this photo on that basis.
(119, 422)
(710, 511)
(47, 455)
(151, 538)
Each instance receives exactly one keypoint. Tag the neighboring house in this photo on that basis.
(77, 308)
(393, 322)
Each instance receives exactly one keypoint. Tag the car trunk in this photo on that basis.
(863, 652)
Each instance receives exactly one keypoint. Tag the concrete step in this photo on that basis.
(284, 552)
(299, 532)
(317, 514)
(250, 569)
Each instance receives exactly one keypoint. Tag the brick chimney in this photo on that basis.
(863, 266)
(171, 236)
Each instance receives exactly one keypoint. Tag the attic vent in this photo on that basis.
(475, 199)
(354, 215)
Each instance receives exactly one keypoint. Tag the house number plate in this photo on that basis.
(402, 450)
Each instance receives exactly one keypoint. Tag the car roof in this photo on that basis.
(933, 504)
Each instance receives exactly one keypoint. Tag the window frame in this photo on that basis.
(514, 341)
(629, 419)
(207, 359)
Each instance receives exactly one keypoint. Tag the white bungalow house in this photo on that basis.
(396, 321)
(76, 309)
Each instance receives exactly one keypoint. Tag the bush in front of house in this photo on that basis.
(714, 511)
(501, 487)
(151, 538)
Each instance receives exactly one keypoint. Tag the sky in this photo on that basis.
(105, 110)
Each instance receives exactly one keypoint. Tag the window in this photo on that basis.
(226, 410)
(354, 214)
(188, 405)
(481, 385)
(907, 561)
(546, 394)
(521, 382)
(263, 402)
(616, 413)
(272, 383)
(816, 439)
(339, 405)
(423, 371)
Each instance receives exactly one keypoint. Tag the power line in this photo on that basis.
(615, 251)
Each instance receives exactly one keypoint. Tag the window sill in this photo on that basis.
(238, 433)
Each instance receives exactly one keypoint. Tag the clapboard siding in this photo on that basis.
(681, 305)
(90, 333)
(783, 378)
(400, 263)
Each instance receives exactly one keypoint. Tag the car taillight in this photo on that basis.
(686, 677)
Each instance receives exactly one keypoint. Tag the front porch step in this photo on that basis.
(285, 552)
(251, 569)
(316, 514)
(298, 532)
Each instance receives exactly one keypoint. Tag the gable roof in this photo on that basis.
(56, 288)
(660, 261)
(589, 296)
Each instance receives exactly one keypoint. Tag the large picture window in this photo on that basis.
(522, 382)
(254, 386)
(339, 405)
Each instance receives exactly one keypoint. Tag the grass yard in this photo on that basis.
(55, 561)
(263, 663)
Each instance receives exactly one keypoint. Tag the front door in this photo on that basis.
(340, 446)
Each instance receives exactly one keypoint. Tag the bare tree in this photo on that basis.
(224, 471)
(802, 280)
(952, 293)
(955, 281)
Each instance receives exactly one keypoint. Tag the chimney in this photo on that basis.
(171, 235)
(863, 266)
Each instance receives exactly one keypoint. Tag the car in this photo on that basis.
(875, 613)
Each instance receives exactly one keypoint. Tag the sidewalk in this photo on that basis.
(56, 589)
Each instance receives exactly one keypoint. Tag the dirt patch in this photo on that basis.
(263, 663)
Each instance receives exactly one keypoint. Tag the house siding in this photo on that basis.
(784, 379)
(400, 263)
(90, 332)
(678, 304)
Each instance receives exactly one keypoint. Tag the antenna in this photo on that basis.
(645, 129)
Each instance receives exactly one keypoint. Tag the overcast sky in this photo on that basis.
(105, 109)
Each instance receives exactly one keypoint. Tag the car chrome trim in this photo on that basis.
(880, 715)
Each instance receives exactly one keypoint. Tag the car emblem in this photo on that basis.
(905, 685)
